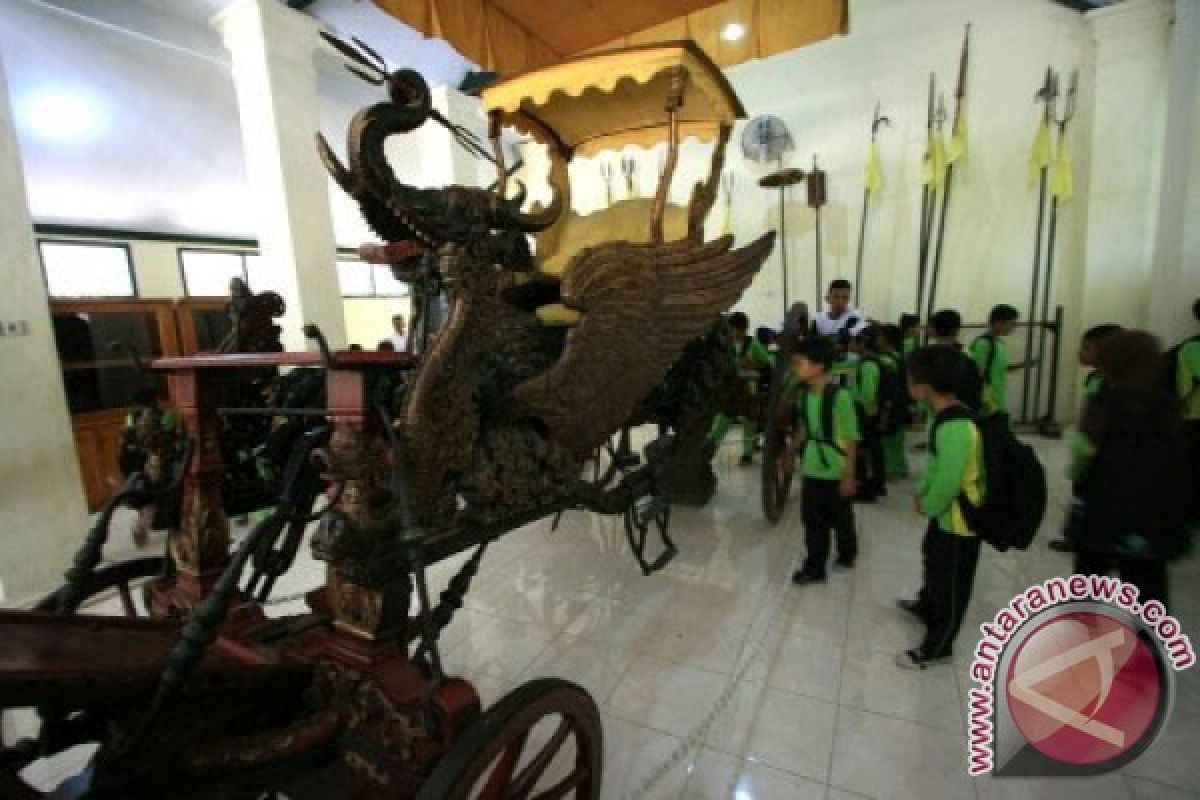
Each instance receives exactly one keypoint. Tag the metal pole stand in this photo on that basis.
(1047, 425)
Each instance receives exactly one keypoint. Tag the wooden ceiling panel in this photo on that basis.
(578, 25)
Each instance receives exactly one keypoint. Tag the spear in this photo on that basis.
(874, 182)
(958, 148)
(1061, 189)
(927, 199)
(1039, 160)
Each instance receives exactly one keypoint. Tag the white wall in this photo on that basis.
(826, 94)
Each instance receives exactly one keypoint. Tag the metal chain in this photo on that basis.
(747, 655)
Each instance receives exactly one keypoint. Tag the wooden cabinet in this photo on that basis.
(101, 382)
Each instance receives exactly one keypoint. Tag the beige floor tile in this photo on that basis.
(716, 776)
(873, 682)
(665, 696)
(784, 731)
(882, 757)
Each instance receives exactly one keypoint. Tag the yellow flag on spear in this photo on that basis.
(957, 148)
(874, 173)
(1062, 183)
(1039, 157)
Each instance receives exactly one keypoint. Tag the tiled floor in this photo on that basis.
(820, 711)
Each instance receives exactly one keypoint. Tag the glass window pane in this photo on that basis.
(386, 284)
(207, 273)
(96, 377)
(87, 270)
(257, 277)
(354, 278)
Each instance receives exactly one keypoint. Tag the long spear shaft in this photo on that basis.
(959, 95)
(927, 199)
(1046, 95)
(1051, 236)
(862, 237)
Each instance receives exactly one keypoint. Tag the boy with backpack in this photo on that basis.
(1093, 385)
(750, 356)
(989, 351)
(954, 478)
(1183, 369)
(828, 449)
(1128, 459)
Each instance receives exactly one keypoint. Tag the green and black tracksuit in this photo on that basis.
(748, 353)
(830, 425)
(868, 381)
(950, 550)
(990, 354)
(895, 460)
(1187, 387)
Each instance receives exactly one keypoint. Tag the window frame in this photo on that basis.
(225, 251)
(112, 245)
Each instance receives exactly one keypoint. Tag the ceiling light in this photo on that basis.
(63, 115)
(733, 31)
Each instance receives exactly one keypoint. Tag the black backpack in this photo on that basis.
(1014, 501)
(893, 396)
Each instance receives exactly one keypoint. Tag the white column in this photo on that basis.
(43, 512)
(1175, 282)
(273, 52)
(1127, 107)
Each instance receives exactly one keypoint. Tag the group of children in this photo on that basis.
(1135, 468)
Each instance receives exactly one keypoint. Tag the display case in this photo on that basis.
(101, 381)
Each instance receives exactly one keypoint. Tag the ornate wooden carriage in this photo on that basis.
(489, 429)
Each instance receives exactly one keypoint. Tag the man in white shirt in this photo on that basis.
(399, 337)
(840, 315)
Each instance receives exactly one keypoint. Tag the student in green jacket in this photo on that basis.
(990, 354)
(1093, 384)
(910, 335)
(1187, 388)
(895, 459)
(950, 549)
(829, 444)
(868, 383)
(750, 356)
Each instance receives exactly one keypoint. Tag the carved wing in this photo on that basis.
(640, 304)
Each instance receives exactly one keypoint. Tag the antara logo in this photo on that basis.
(1073, 677)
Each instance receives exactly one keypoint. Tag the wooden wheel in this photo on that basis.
(31, 734)
(776, 480)
(120, 579)
(542, 741)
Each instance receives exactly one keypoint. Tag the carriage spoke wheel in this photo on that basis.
(776, 477)
(542, 741)
(22, 730)
(776, 480)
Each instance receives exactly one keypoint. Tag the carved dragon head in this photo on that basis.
(490, 224)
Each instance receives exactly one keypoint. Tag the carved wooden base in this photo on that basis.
(391, 742)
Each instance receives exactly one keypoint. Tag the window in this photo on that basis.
(207, 273)
(386, 284)
(87, 269)
(354, 278)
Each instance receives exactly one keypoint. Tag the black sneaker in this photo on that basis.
(746, 461)
(803, 578)
(843, 565)
(916, 659)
